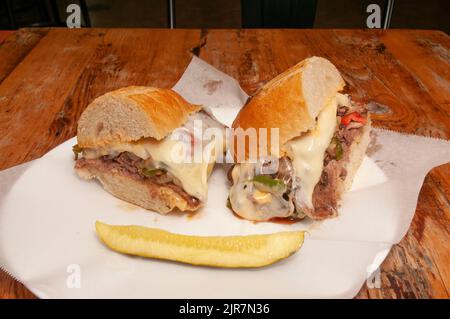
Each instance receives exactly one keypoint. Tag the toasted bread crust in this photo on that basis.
(143, 193)
(131, 113)
(283, 102)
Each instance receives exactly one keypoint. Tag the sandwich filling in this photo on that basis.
(169, 162)
(311, 165)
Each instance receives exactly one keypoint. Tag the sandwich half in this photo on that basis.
(138, 142)
(322, 139)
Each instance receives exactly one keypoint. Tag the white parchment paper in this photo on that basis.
(47, 216)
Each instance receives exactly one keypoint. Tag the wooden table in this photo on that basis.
(4, 34)
(47, 77)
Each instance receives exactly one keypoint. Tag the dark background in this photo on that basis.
(416, 14)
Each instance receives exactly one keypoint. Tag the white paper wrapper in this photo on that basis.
(47, 216)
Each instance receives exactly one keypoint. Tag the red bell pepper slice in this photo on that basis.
(354, 116)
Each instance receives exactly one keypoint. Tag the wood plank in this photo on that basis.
(255, 56)
(418, 266)
(242, 54)
(12, 289)
(139, 57)
(375, 75)
(371, 71)
(35, 90)
(425, 54)
(4, 34)
(16, 47)
(91, 63)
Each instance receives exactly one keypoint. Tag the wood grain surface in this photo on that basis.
(48, 76)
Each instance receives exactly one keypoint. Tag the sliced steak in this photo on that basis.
(131, 165)
(326, 193)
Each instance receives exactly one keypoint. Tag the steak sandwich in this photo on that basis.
(323, 136)
(138, 142)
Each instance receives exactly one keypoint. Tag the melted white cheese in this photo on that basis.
(250, 203)
(308, 151)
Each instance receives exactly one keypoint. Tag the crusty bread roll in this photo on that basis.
(131, 113)
(146, 194)
(128, 115)
(292, 100)
(315, 176)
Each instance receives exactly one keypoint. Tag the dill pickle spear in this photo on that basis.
(214, 251)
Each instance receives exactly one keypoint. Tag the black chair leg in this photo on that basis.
(85, 12)
(170, 13)
(55, 12)
(389, 7)
(12, 20)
